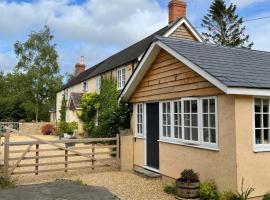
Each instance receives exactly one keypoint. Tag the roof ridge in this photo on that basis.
(211, 44)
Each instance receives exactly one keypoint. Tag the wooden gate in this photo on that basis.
(75, 154)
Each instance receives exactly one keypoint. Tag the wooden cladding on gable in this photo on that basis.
(182, 32)
(168, 78)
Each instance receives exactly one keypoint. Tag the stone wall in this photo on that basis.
(33, 128)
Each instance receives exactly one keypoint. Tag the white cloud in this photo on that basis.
(245, 3)
(97, 23)
(7, 62)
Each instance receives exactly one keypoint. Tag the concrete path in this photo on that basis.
(57, 190)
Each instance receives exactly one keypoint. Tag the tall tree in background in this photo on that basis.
(224, 26)
(39, 68)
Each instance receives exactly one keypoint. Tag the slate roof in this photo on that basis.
(234, 67)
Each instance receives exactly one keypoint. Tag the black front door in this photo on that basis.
(152, 145)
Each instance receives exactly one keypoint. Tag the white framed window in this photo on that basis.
(166, 119)
(98, 84)
(261, 124)
(121, 78)
(140, 119)
(190, 121)
(84, 86)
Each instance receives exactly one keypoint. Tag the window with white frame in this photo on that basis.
(261, 118)
(139, 117)
(193, 121)
(85, 86)
(209, 121)
(98, 84)
(166, 119)
(121, 78)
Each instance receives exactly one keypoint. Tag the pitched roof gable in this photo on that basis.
(131, 53)
(233, 70)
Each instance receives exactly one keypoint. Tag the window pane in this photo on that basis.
(205, 135)
(195, 134)
(168, 107)
(205, 105)
(257, 105)
(265, 120)
(212, 121)
(194, 107)
(266, 136)
(176, 110)
(194, 120)
(258, 137)
(186, 119)
(258, 120)
(176, 120)
(168, 119)
(212, 105)
(176, 132)
(187, 106)
(213, 135)
(168, 131)
(187, 133)
(265, 105)
(164, 131)
(205, 120)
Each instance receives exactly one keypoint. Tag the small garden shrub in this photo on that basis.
(48, 129)
(208, 191)
(67, 127)
(189, 176)
(227, 196)
(6, 183)
(244, 193)
(266, 196)
(170, 189)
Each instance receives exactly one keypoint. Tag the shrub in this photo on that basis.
(227, 196)
(189, 176)
(6, 183)
(266, 196)
(67, 127)
(170, 189)
(244, 193)
(208, 191)
(48, 129)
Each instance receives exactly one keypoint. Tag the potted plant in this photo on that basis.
(188, 185)
(66, 130)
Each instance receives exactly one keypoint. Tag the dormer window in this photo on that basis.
(121, 78)
(85, 86)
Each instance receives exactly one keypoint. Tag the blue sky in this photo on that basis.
(98, 28)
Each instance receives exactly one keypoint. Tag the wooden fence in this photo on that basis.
(95, 152)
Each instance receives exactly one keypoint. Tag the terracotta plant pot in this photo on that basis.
(187, 190)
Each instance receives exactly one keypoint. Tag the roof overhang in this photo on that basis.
(150, 57)
(184, 21)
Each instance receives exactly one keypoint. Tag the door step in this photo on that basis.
(146, 173)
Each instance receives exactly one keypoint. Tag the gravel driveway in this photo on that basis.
(57, 190)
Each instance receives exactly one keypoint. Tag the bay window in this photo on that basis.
(190, 121)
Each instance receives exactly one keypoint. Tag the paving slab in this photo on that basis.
(57, 190)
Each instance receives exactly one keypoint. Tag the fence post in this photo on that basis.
(6, 154)
(117, 146)
(66, 158)
(93, 155)
(37, 159)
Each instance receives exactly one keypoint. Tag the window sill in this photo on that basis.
(139, 137)
(261, 149)
(190, 145)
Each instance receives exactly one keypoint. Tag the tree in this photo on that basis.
(39, 68)
(63, 109)
(224, 26)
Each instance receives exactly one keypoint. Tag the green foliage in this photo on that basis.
(227, 196)
(105, 110)
(63, 109)
(67, 127)
(208, 191)
(188, 175)
(224, 26)
(37, 66)
(170, 189)
(266, 196)
(244, 193)
(6, 183)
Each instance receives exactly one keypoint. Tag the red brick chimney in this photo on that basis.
(80, 67)
(177, 9)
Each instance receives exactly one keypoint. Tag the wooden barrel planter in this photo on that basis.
(187, 190)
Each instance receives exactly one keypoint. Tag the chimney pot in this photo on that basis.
(80, 67)
(177, 9)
